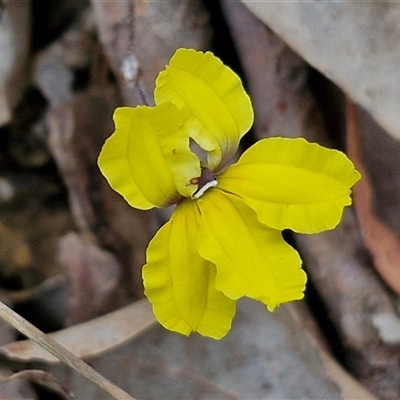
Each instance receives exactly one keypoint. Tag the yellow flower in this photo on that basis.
(223, 241)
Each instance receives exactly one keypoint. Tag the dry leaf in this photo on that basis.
(277, 78)
(18, 385)
(89, 339)
(93, 278)
(383, 244)
(344, 41)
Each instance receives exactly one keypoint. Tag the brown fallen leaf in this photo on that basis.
(383, 244)
(277, 78)
(93, 277)
(344, 42)
(89, 339)
(15, 384)
(12, 388)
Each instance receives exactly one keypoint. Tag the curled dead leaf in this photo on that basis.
(91, 338)
(383, 244)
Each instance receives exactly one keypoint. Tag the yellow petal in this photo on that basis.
(147, 159)
(251, 259)
(292, 183)
(213, 94)
(180, 284)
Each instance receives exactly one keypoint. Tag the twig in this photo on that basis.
(59, 351)
(130, 67)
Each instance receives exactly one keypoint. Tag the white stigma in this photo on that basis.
(204, 188)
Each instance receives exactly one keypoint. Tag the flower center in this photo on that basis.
(206, 181)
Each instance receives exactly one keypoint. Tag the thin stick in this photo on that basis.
(131, 51)
(59, 351)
